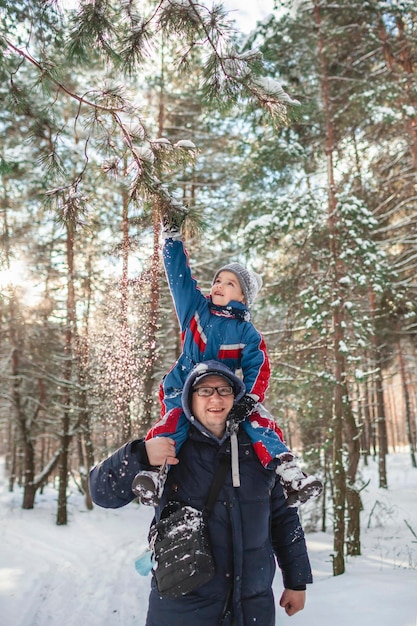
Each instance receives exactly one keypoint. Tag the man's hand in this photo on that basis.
(292, 601)
(160, 448)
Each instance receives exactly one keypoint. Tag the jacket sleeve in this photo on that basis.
(111, 480)
(255, 365)
(185, 292)
(289, 543)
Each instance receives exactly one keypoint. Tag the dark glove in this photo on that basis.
(172, 222)
(242, 409)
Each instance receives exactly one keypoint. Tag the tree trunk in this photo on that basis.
(401, 65)
(354, 507)
(12, 465)
(24, 431)
(381, 422)
(150, 357)
(84, 441)
(353, 500)
(29, 491)
(86, 452)
(63, 471)
(124, 397)
(339, 493)
(381, 425)
(148, 380)
(367, 431)
(408, 417)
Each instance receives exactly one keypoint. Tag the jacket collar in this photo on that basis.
(206, 433)
(234, 310)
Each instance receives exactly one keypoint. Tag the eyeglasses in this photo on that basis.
(206, 392)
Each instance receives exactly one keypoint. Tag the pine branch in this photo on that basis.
(93, 28)
(48, 73)
(229, 73)
(115, 109)
(135, 46)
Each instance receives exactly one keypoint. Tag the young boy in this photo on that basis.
(218, 327)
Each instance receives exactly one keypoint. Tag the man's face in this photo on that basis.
(226, 288)
(212, 411)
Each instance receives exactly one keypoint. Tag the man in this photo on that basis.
(250, 525)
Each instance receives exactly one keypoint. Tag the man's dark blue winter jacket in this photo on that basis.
(250, 525)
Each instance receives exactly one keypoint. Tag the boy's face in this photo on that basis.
(225, 288)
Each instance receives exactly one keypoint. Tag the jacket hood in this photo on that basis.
(204, 369)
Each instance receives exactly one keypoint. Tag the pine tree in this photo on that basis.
(324, 54)
(95, 158)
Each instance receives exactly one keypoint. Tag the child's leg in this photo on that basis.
(298, 486)
(174, 424)
(148, 485)
(267, 441)
(266, 437)
(170, 398)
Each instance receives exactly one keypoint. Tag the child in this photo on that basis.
(218, 327)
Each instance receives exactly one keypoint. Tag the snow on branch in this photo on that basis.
(121, 38)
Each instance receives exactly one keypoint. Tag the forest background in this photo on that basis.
(294, 151)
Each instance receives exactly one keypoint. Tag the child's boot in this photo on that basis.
(148, 485)
(298, 487)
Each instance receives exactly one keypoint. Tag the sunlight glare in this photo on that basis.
(16, 277)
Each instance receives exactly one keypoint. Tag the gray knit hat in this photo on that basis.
(249, 280)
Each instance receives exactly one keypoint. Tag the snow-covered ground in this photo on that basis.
(84, 573)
